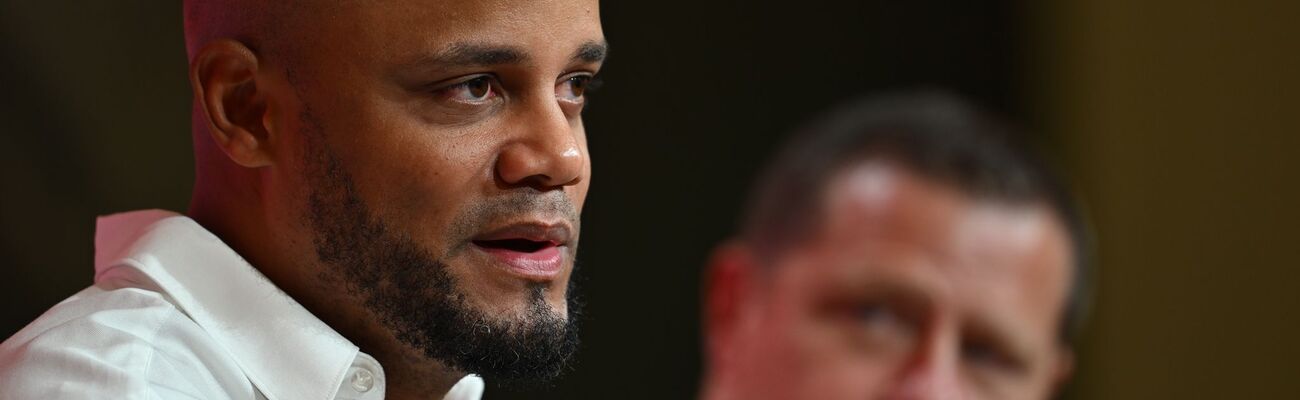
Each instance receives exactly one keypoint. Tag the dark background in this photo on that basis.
(1176, 121)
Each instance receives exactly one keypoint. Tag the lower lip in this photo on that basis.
(542, 264)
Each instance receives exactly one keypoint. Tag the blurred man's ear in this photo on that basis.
(224, 76)
(729, 284)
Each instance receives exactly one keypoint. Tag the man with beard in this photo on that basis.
(386, 205)
(898, 249)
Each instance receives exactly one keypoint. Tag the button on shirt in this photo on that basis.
(176, 314)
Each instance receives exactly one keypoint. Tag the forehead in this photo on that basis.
(1005, 264)
(393, 28)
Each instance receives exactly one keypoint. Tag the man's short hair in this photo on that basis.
(933, 134)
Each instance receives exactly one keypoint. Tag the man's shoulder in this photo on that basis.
(129, 310)
(116, 341)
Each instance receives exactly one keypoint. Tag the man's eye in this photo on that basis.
(578, 85)
(476, 90)
(575, 87)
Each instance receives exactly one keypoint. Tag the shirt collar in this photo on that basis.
(285, 351)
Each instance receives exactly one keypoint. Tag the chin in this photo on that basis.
(515, 299)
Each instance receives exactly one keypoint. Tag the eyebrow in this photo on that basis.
(591, 51)
(467, 54)
(472, 54)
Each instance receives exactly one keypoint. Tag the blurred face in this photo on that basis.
(910, 290)
(442, 170)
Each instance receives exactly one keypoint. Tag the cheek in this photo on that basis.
(418, 185)
(423, 201)
(845, 382)
(813, 362)
(821, 356)
(578, 193)
(434, 186)
(836, 366)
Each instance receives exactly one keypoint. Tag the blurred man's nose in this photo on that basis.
(932, 373)
(545, 153)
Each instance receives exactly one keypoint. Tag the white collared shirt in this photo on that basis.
(176, 314)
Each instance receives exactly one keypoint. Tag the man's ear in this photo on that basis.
(224, 75)
(729, 284)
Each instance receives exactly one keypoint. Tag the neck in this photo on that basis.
(409, 374)
(233, 219)
(412, 377)
(244, 226)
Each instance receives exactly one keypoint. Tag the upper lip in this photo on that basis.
(557, 233)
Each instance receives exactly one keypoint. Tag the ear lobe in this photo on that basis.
(224, 77)
(728, 286)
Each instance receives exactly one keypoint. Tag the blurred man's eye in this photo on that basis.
(879, 316)
(882, 326)
(985, 355)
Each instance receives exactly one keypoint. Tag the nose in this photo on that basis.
(932, 373)
(545, 152)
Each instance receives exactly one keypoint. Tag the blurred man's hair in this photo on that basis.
(932, 134)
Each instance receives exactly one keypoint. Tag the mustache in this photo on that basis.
(515, 206)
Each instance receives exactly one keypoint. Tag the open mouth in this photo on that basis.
(532, 250)
(516, 245)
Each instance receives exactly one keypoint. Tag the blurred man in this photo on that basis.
(386, 201)
(897, 250)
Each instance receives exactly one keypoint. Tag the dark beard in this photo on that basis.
(412, 292)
